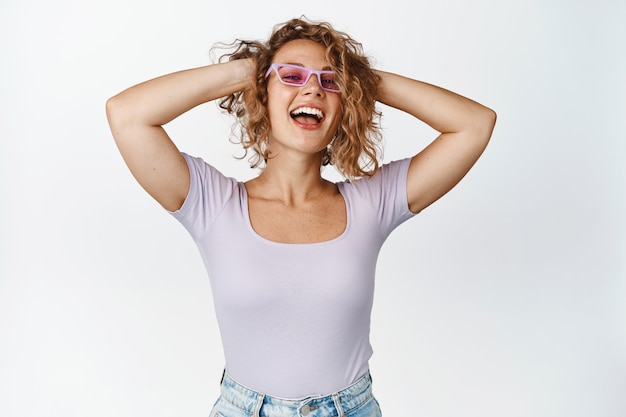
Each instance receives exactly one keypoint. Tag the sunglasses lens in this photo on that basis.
(292, 75)
(328, 82)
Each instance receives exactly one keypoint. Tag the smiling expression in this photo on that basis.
(303, 119)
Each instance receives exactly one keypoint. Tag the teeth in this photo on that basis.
(308, 110)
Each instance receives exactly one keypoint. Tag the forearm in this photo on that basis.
(443, 110)
(160, 100)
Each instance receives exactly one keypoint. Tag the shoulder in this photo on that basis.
(391, 174)
(208, 187)
(383, 195)
(201, 170)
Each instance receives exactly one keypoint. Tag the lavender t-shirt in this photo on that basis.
(294, 318)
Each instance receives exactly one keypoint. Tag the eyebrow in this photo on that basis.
(326, 68)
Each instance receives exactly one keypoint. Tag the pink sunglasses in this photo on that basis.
(298, 76)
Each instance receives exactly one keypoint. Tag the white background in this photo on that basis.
(505, 298)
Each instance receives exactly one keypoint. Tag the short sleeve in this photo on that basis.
(385, 193)
(395, 203)
(209, 190)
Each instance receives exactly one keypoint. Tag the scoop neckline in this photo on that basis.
(248, 222)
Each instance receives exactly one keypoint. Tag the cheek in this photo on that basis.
(273, 109)
(338, 116)
(277, 101)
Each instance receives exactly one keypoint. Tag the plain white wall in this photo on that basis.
(507, 297)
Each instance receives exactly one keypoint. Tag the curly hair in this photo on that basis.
(356, 148)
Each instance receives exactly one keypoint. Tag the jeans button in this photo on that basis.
(305, 410)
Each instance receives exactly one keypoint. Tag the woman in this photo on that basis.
(290, 255)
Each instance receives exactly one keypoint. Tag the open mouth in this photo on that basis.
(307, 115)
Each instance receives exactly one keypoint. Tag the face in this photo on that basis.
(303, 119)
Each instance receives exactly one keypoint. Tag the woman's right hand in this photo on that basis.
(136, 117)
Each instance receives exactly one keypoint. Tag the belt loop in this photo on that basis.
(259, 404)
(338, 405)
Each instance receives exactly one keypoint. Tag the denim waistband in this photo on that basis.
(260, 405)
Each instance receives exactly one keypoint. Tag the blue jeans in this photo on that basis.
(239, 401)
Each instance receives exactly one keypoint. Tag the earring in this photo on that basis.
(327, 159)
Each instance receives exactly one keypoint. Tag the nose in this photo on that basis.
(313, 86)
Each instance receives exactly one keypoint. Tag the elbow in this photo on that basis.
(488, 117)
(119, 113)
(112, 108)
(487, 122)
(119, 118)
(493, 117)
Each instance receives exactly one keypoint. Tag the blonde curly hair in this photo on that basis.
(356, 148)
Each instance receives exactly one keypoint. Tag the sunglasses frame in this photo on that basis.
(308, 71)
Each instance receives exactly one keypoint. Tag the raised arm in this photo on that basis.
(464, 125)
(136, 117)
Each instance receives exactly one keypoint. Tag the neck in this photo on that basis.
(291, 181)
